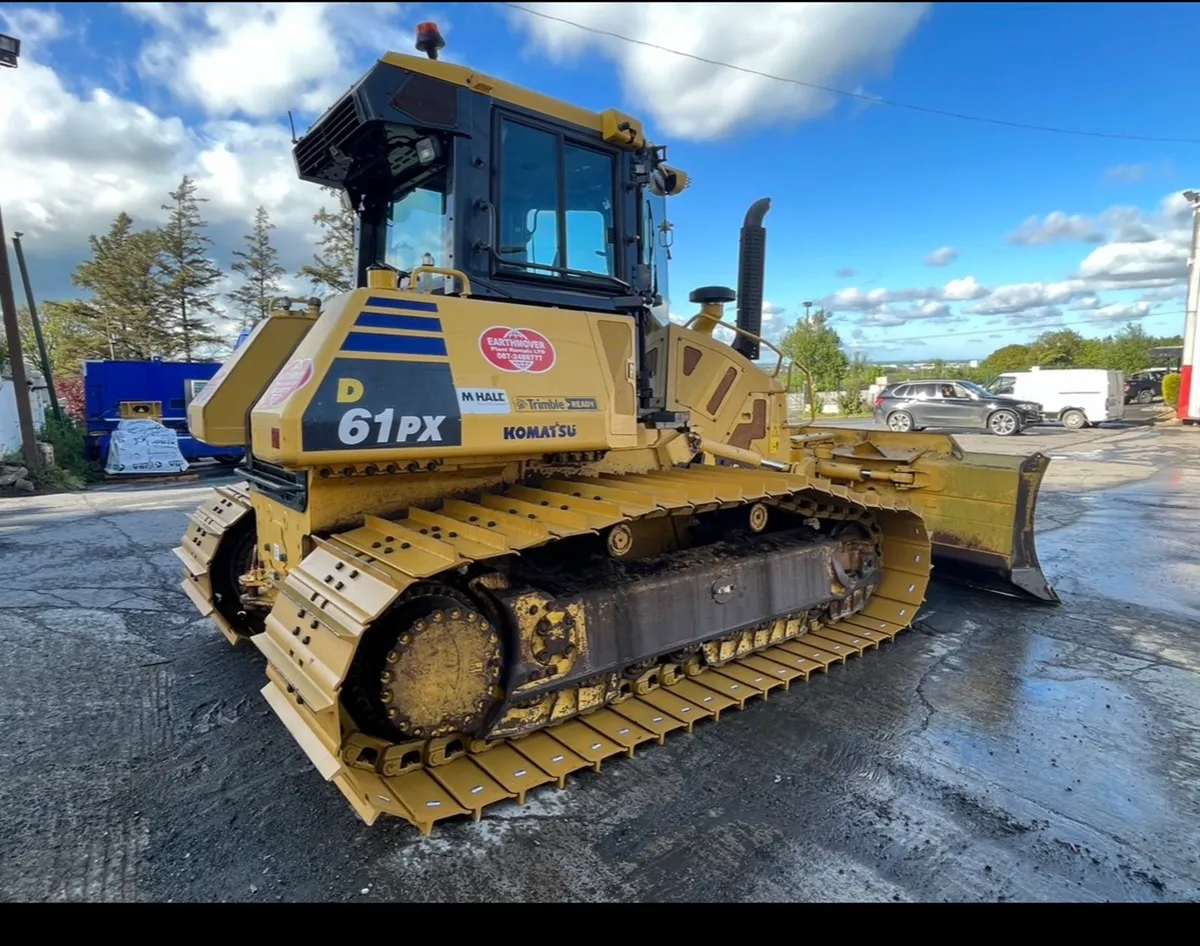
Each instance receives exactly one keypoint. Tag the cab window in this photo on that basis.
(1001, 386)
(418, 231)
(652, 239)
(555, 207)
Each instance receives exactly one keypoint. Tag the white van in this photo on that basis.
(1077, 397)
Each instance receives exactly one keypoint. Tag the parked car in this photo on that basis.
(915, 405)
(1144, 386)
(1075, 397)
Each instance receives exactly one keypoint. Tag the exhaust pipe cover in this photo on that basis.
(752, 263)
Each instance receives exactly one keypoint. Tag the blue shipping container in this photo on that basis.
(172, 383)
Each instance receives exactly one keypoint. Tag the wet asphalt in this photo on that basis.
(1000, 750)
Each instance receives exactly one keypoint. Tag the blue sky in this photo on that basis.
(113, 102)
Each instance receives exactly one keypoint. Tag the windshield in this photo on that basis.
(974, 388)
(419, 231)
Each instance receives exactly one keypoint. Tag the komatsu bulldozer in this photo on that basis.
(502, 519)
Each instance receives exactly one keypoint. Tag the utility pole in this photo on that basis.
(10, 52)
(37, 324)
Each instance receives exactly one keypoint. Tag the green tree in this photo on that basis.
(189, 277)
(71, 338)
(334, 266)
(124, 315)
(1008, 358)
(29, 348)
(1058, 349)
(816, 345)
(1129, 349)
(1092, 353)
(260, 270)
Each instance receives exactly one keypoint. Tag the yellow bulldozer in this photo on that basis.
(502, 519)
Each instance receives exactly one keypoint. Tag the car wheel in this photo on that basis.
(901, 422)
(1004, 424)
(1145, 396)
(1073, 419)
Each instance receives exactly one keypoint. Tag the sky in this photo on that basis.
(925, 235)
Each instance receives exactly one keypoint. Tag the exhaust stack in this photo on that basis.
(752, 264)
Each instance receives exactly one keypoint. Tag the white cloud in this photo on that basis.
(1131, 173)
(1138, 172)
(1143, 251)
(821, 43)
(963, 290)
(1136, 263)
(261, 59)
(74, 159)
(1165, 293)
(32, 26)
(878, 304)
(1019, 297)
(1057, 227)
(1126, 225)
(942, 257)
(1122, 312)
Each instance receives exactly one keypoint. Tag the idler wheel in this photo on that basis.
(441, 674)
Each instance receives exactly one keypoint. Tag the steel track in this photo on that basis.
(469, 781)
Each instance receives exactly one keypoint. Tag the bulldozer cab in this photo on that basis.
(533, 200)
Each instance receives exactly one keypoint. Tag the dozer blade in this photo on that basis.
(979, 508)
(982, 524)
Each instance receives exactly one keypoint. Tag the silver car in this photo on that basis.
(915, 405)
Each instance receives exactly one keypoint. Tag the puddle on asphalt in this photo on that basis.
(1133, 543)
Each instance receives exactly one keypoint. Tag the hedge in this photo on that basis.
(1170, 389)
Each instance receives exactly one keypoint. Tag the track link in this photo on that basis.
(328, 602)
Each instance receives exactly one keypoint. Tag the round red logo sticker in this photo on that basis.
(290, 380)
(517, 349)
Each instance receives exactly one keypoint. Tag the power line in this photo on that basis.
(962, 116)
(1014, 328)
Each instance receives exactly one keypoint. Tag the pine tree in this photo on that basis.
(260, 269)
(189, 276)
(334, 266)
(126, 314)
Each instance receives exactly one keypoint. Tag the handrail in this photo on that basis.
(812, 400)
(450, 273)
(740, 331)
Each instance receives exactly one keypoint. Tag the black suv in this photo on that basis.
(1144, 386)
(915, 405)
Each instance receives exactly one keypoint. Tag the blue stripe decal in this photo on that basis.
(377, 302)
(394, 344)
(402, 323)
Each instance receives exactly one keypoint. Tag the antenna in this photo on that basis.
(293, 124)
